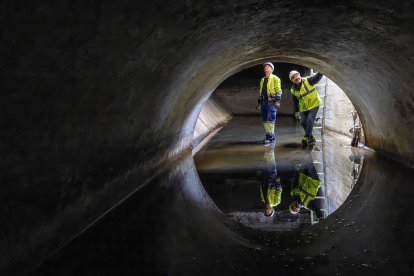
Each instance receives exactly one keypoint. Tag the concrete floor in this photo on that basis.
(173, 227)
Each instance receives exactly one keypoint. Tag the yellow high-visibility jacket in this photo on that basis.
(274, 196)
(308, 96)
(307, 189)
(273, 86)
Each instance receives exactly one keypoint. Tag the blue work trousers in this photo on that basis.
(268, 110)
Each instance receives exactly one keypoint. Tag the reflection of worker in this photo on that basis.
(309, 102)
(357, 160)
(356, 129)
(306, 188)
(269, 100)
(270, 187)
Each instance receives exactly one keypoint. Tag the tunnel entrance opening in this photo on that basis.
(259, 185)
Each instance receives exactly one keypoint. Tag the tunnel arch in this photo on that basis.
(304, 61)
(220, 174)
(348, 58)
(100, 90)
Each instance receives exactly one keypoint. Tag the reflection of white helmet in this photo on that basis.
(269, 216)
(294, 212)
(292, 73)
(270, 64)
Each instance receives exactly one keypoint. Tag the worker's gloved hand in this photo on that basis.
(259, 101)
(277, 104)
(276, 100)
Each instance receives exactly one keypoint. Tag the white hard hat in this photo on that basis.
(292, 73)
(270, 64)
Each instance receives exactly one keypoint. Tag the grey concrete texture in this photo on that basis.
(173, 227)
(243, 100)
(338, 111)
(95, 91)
(212, 115)
(343, 167)
(240, 92)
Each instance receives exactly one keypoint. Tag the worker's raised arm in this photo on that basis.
(315, 78)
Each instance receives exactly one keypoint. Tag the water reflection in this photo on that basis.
(357, 158)
(172, 227)
(306, 188)
(270, 186)
(281, 186)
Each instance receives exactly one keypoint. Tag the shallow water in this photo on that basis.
(236, 168)
(173, 227)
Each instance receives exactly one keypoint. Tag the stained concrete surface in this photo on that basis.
(173, 227)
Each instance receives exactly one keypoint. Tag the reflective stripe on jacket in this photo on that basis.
(307, 189)
(308, 96)
(273, 85)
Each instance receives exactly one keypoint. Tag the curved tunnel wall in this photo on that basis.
(107, 79)
(92, 90)
(212, 116)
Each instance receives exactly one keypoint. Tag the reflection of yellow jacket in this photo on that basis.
(307, 189)
(274, 196)
(308, 96)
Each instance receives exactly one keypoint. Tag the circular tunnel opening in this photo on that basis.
(283, 185)
(94, 90)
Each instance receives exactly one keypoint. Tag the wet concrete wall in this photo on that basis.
(338, 110)
(239, 93)
(343, 166)
(94, 90)
(242, 100)
(368, 235)
(212, 115)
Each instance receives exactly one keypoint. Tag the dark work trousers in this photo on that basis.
(307, 120)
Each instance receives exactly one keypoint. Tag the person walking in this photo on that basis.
(309, 102)
(269, 100)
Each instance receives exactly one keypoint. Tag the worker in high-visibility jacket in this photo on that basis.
(270, 187)
(306, 189)
(309, 102)
(269, 100)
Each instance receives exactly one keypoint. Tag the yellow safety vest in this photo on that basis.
(308, 96)
(274, 196)
(273, 85)
(307, 189)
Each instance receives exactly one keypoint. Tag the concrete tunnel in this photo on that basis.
(100, 98)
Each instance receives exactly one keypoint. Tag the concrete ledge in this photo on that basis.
(212, 116)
